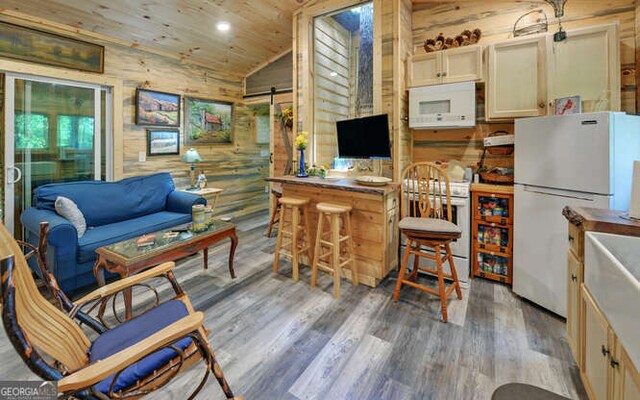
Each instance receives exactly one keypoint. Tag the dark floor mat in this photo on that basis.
(522, 391)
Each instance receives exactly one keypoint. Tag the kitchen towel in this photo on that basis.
(634, 206)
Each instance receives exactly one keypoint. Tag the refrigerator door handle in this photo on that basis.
(559, 192)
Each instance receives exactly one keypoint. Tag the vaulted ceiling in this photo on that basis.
(259, 29)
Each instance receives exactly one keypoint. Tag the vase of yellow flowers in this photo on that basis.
(301, 144)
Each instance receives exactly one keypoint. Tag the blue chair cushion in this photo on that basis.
(131, 332)
(119, 231)
(104, 203)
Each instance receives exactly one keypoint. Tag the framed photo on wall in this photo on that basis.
(157, 108)
(162, 142)
(208, 121)
(33, 45)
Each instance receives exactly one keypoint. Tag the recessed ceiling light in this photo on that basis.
(334, 73)
(223, 26)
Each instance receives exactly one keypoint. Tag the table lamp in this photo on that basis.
(192, 156)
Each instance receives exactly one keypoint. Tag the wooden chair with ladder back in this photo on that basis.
(426, 223)
(128, 361)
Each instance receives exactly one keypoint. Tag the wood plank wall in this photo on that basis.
(404, 50)
(239, 168)
(496, 19)
(389, 43)
(332, 54)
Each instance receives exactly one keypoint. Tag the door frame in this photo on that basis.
(9, 139)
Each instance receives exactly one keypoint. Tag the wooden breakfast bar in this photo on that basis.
(374, 219)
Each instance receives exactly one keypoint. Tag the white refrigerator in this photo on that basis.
(579, 160)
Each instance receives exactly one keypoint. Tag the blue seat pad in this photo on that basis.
(131, 332)
(119, 231)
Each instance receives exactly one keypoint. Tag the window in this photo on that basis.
(342, 74)
(75, 132)
(31, 131)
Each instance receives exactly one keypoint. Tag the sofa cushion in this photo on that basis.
(132, 332)
(104, 203)
(119, 231)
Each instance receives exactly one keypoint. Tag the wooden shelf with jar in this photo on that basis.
(492, 232)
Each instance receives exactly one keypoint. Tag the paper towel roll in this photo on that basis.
(634, 205)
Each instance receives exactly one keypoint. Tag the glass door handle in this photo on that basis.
(10, 174)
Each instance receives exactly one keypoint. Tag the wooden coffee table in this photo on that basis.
(126, 258)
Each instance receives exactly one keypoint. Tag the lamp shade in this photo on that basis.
(191, 156)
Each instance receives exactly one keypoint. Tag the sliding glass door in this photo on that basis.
(55, 131)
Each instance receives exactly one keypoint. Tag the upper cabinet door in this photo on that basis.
(517, 78)
(425, 69)
(587, 64)
(462, 64)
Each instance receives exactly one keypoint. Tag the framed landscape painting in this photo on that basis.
(33, 45)
(157, 108)
(208, 121)
(161, 142)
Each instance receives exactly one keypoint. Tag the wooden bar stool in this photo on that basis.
(338, 246)
(277, 194)
(293, 232)
(426, 222)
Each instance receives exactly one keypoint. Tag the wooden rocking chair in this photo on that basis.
(128, 361)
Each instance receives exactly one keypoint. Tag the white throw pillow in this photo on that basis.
(66, 208)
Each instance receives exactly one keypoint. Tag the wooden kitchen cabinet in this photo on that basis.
(608, 372)
(626, 378)
(605, 368)
(574, 280)
(526, 75)
(516, 78)
(596, 350)
(446, 66)
(492, 232)
(574, 70)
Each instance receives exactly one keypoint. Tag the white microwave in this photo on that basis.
(443, 106)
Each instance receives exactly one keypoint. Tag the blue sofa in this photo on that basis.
(114, 211)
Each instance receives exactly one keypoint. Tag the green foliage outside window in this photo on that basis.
(31, 131)
(75, 131)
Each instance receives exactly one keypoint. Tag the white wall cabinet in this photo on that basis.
(517, 79)
(526, 75)
(446, 66)
(586, 64)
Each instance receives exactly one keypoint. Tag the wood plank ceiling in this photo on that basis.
(260, 29)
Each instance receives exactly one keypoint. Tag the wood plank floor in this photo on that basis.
(280, 339)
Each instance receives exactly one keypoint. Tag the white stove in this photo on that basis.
(460, 189)
(461, 216)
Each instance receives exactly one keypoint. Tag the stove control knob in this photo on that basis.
(456, 191)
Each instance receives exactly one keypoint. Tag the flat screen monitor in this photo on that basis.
(366, 137)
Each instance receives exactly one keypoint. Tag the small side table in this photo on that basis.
(208, 193)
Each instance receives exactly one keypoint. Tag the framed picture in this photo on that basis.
(157, 108)
(208, 121)
(33, 45)
(162, 142)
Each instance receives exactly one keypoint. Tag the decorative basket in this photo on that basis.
(500, 150)
(493, 177)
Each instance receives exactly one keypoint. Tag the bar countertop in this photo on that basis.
(348, 184)
(602, 220)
